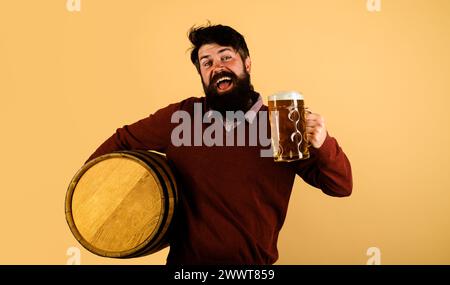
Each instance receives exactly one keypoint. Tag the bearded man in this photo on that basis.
(233, 201)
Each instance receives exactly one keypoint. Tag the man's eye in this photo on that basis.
(207, 63)
(227, 57)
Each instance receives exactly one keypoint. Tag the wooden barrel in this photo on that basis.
(122, 204)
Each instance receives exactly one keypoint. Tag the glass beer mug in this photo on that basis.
(288, 126)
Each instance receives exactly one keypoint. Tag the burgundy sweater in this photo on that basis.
(233, 202)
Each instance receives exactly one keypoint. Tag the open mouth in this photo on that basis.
(224, 84)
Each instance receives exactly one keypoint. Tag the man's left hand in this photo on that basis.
(316, 132)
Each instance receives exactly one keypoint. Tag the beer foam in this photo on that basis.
(286, 95)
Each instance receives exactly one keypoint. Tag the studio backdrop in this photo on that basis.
(72, 72)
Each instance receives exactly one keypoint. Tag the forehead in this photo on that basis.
(211, 49)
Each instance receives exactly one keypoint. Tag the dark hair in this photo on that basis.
(218, 34)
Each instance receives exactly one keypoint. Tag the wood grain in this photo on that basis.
(122, 204)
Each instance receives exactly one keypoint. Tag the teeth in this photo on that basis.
(222, 79)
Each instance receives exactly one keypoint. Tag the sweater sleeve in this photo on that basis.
(328, 169)
(152, 133)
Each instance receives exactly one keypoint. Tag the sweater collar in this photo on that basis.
(250, 115)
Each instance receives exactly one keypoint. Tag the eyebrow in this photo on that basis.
(220, 51)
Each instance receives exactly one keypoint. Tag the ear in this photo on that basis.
(248, 64)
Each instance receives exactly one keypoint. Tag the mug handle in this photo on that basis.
(307, 110)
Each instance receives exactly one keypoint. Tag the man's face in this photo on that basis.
(220, 67)
(225, 78)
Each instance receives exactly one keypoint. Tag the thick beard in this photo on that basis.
(239, 98)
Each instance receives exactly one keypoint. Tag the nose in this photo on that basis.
(218, 68)
(218, 64)
(217, 71)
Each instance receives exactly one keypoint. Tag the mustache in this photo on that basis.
(216, 76)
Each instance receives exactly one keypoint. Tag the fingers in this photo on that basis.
(314, 117)
(313, 120)
(315, 129)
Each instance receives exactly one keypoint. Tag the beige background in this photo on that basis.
(381, 80)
